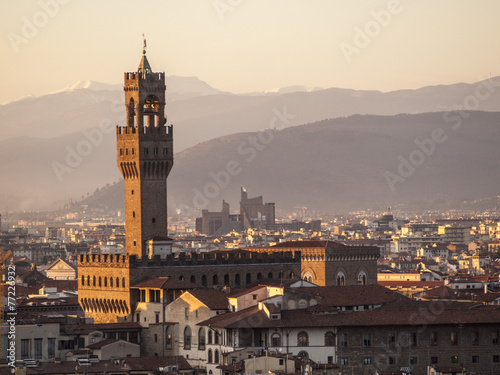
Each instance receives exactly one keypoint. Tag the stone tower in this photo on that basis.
(145, 158)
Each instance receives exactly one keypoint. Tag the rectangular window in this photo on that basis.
(133, 151)
(453, 338)
(126, 151)
(156, 337)
(25, 348)
(165, 151)
(146, 151)
(330, 359)
(434, 360)
(344, 361)
(38, 348)
(138, 317)
(392, 360)
(475, 338)
(157, 317)
(475, 359)
(282, 362)
(153, 220)
(454, 359)
(121, 151)
(51, 347)
(367, 340)
(413, 360)
(496, 359)
(367, 361)
(434, 339)
(413, 339)
(186, 313)
(155, 151)
(494, 338)
(391, 338)
(344, 340)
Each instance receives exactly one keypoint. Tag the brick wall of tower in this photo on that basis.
(108, 298)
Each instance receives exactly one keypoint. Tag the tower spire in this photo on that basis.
(144, 66)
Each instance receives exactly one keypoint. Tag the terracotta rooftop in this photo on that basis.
(352, 295)
(100, 344)
(242, 292)
(213, 299)
(152, 363)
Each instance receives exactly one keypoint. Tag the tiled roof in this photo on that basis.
(396, 313)
(152, 363)
(68, 367)
(61, 285)
(239, 293)
(165, 283)
(352, 295)
(103, 343)
(213, 299)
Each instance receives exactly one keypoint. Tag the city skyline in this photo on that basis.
(241, 47)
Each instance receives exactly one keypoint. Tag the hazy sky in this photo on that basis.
(249, 45)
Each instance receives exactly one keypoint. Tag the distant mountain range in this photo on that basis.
(332, 164)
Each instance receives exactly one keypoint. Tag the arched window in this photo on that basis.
(216, 356)
(209, 359)
(215, 280)
(248, 278)
(192, 279)
(117, 282)
(216, 337)
(105, 281)
(100, 281)
(204, 280)
(168, 338)
(276, 339)
(340, 279)
(226, 279)
(291, 275)
(187, 338)
(88, 280)
(302, 338)
(201, 339)
(259, 276)
(83, 280)
(111, 282)
(362, 278)
(93, 281)
(303, 354)
(210, 336)
(270, 275)
(123, 282)
(237, 279)
(181, 278)
(330, 339)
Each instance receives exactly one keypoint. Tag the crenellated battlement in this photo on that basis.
(143, 76)
(189, 259)
(166, 131)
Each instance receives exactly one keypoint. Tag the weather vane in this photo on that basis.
(144, 48)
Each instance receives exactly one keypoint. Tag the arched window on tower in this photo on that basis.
(215, 280)
(216, 356)
(83, 280)
(123, 282)
(93, 281)
(111, 282)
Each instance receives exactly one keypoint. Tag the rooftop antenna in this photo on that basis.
(145, 45)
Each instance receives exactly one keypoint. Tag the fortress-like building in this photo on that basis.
(111, 286)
